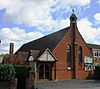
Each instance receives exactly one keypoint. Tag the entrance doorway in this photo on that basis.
(44, 71)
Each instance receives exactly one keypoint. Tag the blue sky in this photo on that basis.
(22, 21)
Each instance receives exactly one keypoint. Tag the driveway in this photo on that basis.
(69, 84)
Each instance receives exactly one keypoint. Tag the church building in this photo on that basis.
(61, 55)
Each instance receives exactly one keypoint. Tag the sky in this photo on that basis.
(22, 21)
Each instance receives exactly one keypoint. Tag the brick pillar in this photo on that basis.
(76, 60)
(30, 80)
(13, 83)
(54, 72)
(73, 26)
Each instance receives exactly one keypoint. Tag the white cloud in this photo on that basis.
(90, 34)
(36, 12)
(97, 17)
(17, 36)
(63, 23)
(56, 25)
(75, 2)
(98, 1)
(31, 12)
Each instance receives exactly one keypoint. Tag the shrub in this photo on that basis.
(7, 72)
(22, 70)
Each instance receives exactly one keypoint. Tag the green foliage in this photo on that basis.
(7, 72)
(1, 55)
(6, 55)
(22, 70)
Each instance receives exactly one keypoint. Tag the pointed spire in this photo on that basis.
(73, 17)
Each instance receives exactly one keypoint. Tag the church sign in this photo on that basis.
(88, 63)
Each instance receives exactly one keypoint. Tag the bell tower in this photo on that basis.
(73, 18)
(73, 27)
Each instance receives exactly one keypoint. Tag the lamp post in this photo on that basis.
(33, 65)
(34, 74)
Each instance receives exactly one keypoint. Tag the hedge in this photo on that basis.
(22, 71)
(7, 72)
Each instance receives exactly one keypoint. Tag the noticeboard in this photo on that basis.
(88, 63)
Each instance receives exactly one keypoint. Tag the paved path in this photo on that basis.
(69, 84)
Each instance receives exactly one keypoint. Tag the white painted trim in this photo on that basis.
(95, 49)
(30, 58)
(47, 55)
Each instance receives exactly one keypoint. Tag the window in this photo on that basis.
(96, 54)
(99, 54)
(80, 55)
(69, 55)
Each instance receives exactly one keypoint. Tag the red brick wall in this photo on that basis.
(81, 74)
(60, 53)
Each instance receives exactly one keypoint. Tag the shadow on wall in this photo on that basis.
(90, 76)
(97, 73)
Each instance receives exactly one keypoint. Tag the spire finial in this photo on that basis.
(73, 17)
(73, 11)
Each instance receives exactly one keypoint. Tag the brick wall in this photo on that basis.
(12, 84)
(60, 53)
(4, 84)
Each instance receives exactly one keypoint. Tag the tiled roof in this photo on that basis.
(41, 44)
(21, 57)
(35, 53)
(94, 46)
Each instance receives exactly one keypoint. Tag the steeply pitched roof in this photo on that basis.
(35, 53)
(49, 41)
(22, 57)
(94, 46)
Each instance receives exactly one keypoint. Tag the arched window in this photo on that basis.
(69, 55)
(80, 55)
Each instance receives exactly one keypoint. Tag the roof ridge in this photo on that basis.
(48, 41)
(48, 34)
(93, 44)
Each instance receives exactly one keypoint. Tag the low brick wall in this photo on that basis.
(11, 84)
(4, 84)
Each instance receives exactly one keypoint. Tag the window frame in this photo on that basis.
(80, 55)
(69, 55)
(96, 54)
(99, 54)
